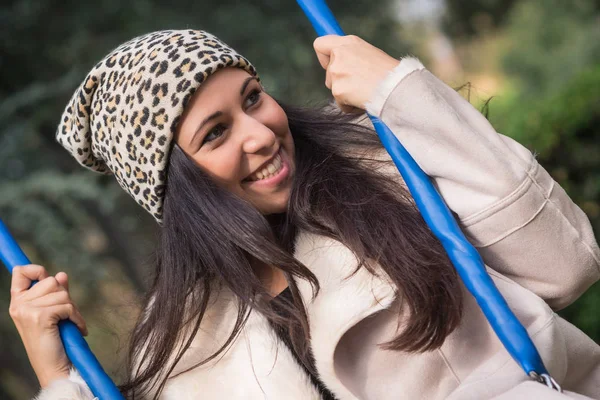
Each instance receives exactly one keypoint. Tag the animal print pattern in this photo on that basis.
(122, 118)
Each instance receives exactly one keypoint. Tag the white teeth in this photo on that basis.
(269, 170)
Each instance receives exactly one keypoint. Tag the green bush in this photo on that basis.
(564, 130)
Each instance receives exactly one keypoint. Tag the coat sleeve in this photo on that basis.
(522, 222)
(72, 388)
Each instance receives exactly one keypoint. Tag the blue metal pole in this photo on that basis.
(75, 345)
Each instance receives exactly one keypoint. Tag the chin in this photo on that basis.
(276, 207)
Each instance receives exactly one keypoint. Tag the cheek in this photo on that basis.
(222, 166)
(274, 117)
(277, 121)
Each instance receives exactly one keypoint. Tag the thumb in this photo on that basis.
(323, 46)
(63, 279)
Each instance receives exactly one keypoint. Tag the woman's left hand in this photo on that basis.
(354, 69)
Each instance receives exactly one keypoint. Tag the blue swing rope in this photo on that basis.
(463, 255)
(440, 220)
(75, 345)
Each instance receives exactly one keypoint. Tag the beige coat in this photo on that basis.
(538, 246)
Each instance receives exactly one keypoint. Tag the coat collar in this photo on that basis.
(257, 365)
(348, 295)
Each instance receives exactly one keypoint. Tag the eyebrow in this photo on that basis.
(246, 83)
(219, 113)
(204, 122)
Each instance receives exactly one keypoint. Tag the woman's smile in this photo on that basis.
(272, 173)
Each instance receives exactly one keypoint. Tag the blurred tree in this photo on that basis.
(464, 19)
(467, 18)
(552, 106)
(564, 129)
(549, 42)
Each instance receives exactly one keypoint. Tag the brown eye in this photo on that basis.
(214, 133)
(253, 98)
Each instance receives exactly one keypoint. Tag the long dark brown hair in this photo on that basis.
(212, 239)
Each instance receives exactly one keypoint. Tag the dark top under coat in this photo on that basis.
(285, 338)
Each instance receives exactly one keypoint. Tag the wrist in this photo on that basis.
(47, 376)
(385, 66)
(386, 86)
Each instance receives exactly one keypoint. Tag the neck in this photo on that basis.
(272, 278)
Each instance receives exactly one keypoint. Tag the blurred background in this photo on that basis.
(532, 65)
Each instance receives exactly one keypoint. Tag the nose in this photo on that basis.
(257, 136)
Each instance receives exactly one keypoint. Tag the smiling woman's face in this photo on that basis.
(240, 136)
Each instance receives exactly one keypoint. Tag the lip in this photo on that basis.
(276, 179)
(264, 164)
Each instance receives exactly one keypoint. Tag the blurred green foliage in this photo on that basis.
(70, 219)
(564, 129)
(551, 42)
(553, 107)
(469, 18)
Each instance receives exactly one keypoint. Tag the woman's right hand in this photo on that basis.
(36, 312)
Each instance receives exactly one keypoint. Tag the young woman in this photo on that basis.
(292, 262)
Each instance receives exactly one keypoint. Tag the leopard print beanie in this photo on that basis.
(121, 120)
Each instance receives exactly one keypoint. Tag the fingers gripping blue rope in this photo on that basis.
(75, 345)
(463, 255)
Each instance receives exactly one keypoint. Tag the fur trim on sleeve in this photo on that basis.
(406, 66)
(72, 388)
